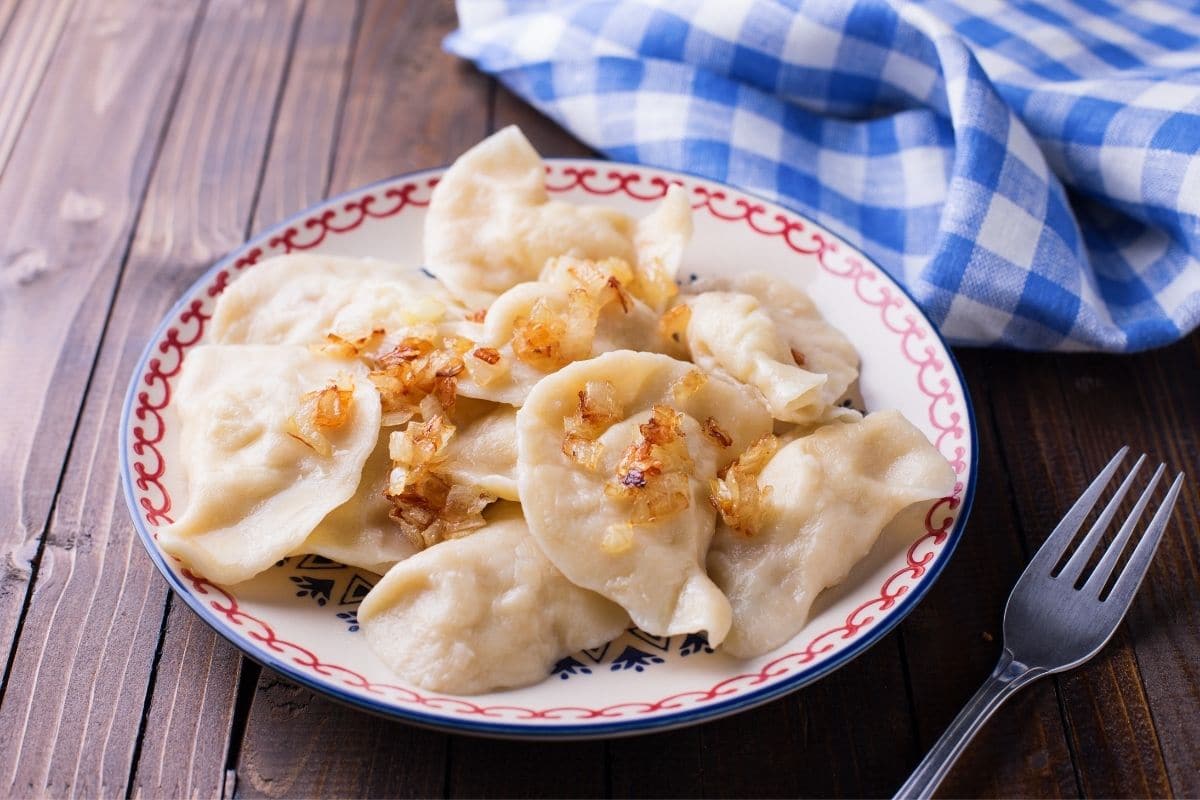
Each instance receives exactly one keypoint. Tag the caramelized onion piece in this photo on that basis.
(417, 368)
(653, 471)
(428, 506)
(488, 355)
(321, 410)
(686, 386)
(596, 411)
(672, 325)
(736, 494)
(417, 447)
(341, 347)
(713, 431)
(604, 281)
(537, 339)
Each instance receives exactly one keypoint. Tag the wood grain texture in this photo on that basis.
(31, 33)
(848, 735)
(488, 768)
(410, 105)
(1165, 618)
(1103, 402)
(953, 638)
(396, 66)
(69, 203)
(299, 744)
(297, 171)
(78, 685)
(1116, 752)
(189, 718)
(367, 93)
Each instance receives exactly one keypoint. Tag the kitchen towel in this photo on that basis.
(1030, 171)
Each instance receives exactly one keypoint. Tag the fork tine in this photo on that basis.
(1053, 548)
(1100, 575)
(1139, 563)
(1079, 558)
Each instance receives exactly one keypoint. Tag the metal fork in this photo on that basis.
(1049, 624)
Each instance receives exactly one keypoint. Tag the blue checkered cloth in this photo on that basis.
(1028, 170)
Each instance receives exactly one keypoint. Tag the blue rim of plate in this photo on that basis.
(742, 702)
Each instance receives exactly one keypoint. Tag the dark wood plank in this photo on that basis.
(490, 768)
(198, 672)
(953, 639)
(300, 744)
(849, 735)
(1167, 425)
(69, 203)
(1055, 438)
(1142, 695)
(78, 685)
(31, 33)
(408, 106)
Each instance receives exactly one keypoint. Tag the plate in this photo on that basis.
(299, 618)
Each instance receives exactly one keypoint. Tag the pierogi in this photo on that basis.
(831, 494)
(486, 612)
(653, 566)
(255, 490)
(731, 332)
(483, 452)
(812, 342)
(491, 225)
(542, 443)
(301, 299)
(520, 363)
(360, 532)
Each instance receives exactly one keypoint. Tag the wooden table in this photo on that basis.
(141, 141)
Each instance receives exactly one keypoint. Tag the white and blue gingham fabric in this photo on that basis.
(1030, 171)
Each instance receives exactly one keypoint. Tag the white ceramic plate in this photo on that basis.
(299, 618)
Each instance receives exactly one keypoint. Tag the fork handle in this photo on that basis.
(1009, 676)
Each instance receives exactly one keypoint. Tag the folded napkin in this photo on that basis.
(1029, 171)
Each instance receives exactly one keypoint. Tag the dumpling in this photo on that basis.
(492, 225)
(483, 452)
(535, 328)
(660, 240)
(820, 347)
(485, 612)
(300, 298)
(360, 531)
(831, 494)
(731, 332)
(253, 426)
(614, 459)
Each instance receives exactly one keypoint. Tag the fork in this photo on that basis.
(1050, 625)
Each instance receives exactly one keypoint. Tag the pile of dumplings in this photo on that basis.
(538, 440)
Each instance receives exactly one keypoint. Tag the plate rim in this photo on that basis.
(509, 730)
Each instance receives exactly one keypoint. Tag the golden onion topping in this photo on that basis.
(596, 411)
(736, 494)
(320, 411)
(653, 471)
